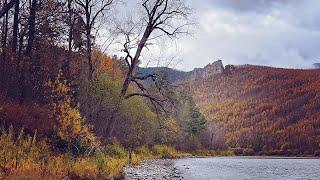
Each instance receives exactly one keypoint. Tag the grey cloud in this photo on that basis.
(286, 35)
(249, 5)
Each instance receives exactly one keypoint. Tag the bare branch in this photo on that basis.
(7, 7)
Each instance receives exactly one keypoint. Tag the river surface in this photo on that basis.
(249, 168)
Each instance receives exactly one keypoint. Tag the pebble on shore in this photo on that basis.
(153, 170)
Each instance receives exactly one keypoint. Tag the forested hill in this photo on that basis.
(173, 75)
(262, 109)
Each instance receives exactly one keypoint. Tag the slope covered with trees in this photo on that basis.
(261, 109)
(70, 111)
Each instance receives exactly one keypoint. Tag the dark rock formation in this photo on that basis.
(209, 70)
(176, 76)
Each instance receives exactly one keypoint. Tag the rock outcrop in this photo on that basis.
(209, 70)
(175, 76)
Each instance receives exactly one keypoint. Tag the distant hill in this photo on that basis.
(261, 109)
(175, 76)
(316, 65)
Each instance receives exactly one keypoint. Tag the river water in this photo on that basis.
(249, 168)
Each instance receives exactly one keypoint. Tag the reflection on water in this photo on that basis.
(249, 168)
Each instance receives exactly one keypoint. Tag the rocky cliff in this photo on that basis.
(209, 70)
(196, 74)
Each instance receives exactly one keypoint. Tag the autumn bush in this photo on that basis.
(115, 150)
(165, 151)
(25, 157)
(30, 117)
(143, 151)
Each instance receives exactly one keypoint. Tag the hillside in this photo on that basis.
(261, 109)
(175, 76)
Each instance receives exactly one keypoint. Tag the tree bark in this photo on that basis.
(89, 54)
(15, 27)
(31, 24)
(70, 14)
(29, 50)
(70, 39)
(5, 37)
(7, 7)
(89, 41)
(135, 60)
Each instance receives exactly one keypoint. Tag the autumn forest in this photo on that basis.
(70, 109)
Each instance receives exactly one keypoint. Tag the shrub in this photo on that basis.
(143, 151)
(136, 159)
(115, 150)
(165, 151)
(30, 117)
(109, 166)
(72, 129)
(317, 153)
(238, 151)
(24, 151)
(248, 152)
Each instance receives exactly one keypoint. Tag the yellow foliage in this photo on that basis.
(165, 151)
(85, 168)
(171, 125)
(25, 158)
(72, 128)
(136, 159)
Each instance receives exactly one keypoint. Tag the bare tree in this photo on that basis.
(92, 9)
(16, 26)
(7, 7)
(162, 17)
(31, 27)
(5, 34)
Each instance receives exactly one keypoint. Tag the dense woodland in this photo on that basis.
(70, 110)
(261, 110)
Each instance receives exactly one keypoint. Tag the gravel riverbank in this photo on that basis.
(153, 169)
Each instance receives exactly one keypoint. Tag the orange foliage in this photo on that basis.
(107, 65)
(263, 108)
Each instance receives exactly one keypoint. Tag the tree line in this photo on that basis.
(54, 75)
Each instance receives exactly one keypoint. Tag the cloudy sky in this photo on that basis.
(279, 33)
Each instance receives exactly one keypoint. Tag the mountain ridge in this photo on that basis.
(174, 75)
(267, 110)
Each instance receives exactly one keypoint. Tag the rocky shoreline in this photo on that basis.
(153, 169)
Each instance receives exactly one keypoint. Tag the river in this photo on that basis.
(249, 168)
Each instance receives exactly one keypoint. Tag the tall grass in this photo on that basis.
(23, 157)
